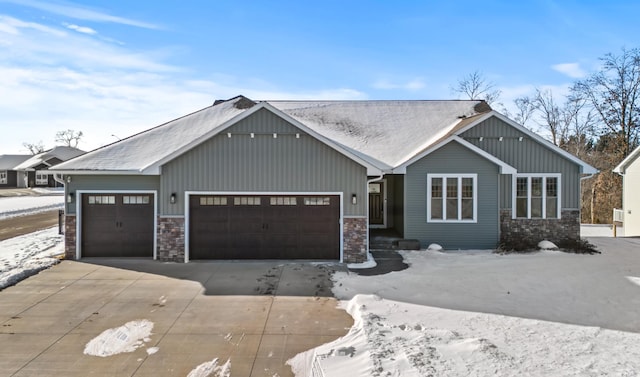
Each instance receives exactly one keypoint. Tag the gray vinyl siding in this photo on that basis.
(452, 158)
(109, 182)
(263, 164)
(527, 156)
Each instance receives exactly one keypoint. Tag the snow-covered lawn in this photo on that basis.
(24, 205)
(23, 256)
(482, 314)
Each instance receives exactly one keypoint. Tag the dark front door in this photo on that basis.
(376, 203)
(117, 225)
(264, 227)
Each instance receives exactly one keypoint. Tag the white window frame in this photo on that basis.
(544, 177)
(42, 181)
(459, 219)
(3, 177)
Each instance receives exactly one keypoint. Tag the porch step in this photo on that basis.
(394, 244)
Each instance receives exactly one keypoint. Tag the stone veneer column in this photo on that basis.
(355, 240)
(532, 231)
(171, 239)
(70, 237)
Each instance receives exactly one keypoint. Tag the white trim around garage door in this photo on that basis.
(78, 196)
(187, 194)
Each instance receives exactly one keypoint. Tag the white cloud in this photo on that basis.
(52, 80)
(411, 85)
(80, 29)
(572, 70)
(79, 12)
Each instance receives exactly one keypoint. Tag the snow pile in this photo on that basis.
(212, 369)
(26, 205)
(126, 338)
(391, 338)
(435, 247)
(547, 245)
(23, 256)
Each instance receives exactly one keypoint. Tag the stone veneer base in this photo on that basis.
(171, 239)
(532, 231)
(355, 240)
(70, 237)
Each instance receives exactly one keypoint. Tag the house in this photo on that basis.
(34, 172)
(629, 169)
(8, 174)
(245, 179)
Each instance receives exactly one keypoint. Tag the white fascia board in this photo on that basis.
(584, 167)
(504, 167)
(372, 169)
(622, 166)
(154, 168)
(101, 172)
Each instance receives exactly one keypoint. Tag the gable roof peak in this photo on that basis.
(240, 102)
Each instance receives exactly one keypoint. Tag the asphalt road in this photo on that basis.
(17, 226)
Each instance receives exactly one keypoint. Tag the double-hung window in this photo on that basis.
(452, 197)
(3, 177)
(537, 196)
(41, 178)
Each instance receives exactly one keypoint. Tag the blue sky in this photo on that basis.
(119, 67)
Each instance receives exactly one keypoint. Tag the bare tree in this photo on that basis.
(476, 87)
(614, 93)
(34, 148)
(525, 106)
(549, 115)
(69, 138)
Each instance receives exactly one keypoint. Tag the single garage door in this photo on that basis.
(264, 227)
(117, 225)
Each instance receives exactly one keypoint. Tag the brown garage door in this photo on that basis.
(117, 225)
(264, 227)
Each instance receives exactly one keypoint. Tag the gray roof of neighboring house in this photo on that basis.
(382, 134)
(10, 161)
(60, 152)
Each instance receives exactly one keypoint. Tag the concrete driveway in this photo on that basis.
(257, 315)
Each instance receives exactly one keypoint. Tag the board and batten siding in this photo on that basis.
(452, 158)
(109, 183)
(527, 156)
(293, 161)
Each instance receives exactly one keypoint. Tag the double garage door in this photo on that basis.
(220, 226)
(264, 227)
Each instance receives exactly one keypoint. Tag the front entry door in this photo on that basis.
(376, 203)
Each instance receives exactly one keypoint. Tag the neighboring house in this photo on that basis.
(8, 173)
(307, 179)
(34, 172)
(629, 169)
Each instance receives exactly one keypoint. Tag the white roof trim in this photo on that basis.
(154, 169)
(622, 166)
(371, 168)
(99, 172)
(504, 167)
(584, 167)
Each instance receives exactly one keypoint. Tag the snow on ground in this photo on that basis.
(25, 205)
(391, 338)
(126, 338)
(23, 256)
(482, 314)
(212, 369)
